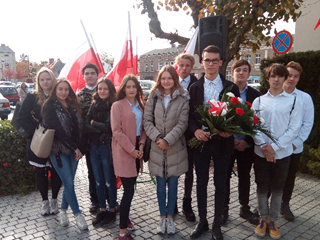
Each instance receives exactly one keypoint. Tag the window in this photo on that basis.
(146, 67)
(6, 63)
(228, 75)
(167, 63)
(257, 58)
(249, 58)
(151, 67)
(171, 63)
(159, 65)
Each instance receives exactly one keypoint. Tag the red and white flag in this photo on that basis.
(127, 63)
(191, 45)
(72, 70)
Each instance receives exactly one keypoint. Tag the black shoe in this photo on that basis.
(225, 215)
(94, 208)
(286, 212)
(99, 218)
(201, 227)
(216, 232)
(109, 218)
(248, 215)
(187, 210)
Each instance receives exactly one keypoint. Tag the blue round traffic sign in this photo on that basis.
(282, 42)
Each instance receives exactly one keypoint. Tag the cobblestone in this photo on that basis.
(20, 217)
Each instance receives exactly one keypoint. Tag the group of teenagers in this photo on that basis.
(110, 128)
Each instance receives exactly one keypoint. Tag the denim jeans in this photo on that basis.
(67, 173)
(103, 172)
(271, 177)
(162, 195)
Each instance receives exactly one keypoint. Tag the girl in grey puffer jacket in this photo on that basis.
(165, 126)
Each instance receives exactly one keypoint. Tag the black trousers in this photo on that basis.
(244, 166)
(188, 181)
(42, 182)
(289, 185)
(220, 151)
(128, 193)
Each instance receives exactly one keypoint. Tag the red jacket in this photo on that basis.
(123, 127)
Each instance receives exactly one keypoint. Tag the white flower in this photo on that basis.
(240, 100)
(223, 112)
(261, 120)
(230, 94)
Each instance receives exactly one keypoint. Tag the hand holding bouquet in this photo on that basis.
(229, 115)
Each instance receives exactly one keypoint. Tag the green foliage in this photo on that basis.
(16, 175)
(310, 161)
(309, 83)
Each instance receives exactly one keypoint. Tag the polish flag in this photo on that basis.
(127, 63)
(191, 45)
(72, 70)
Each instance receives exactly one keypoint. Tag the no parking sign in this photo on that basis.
(282, 42)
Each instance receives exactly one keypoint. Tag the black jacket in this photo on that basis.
(29, 114)
(197, 97)
(68, 127)
(252, 94)
(100, 130)
(188, 134)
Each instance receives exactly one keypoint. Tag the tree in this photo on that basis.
(23, 67)
(20, 73)
(243, 16)
(108, 58)
(8, 73)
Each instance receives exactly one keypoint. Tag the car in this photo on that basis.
(146, 86)
(4, 107)
(10, 93)
(6, 83)
(30, 86)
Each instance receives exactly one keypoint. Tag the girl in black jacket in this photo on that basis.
(28, 118)
(97, 124)
(61, 112)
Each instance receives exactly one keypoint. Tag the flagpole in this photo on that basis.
(85, 32)
(130, 42)
(98, 56)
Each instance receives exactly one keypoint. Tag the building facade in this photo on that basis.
(7, 59)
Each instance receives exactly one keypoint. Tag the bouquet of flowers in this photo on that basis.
(229, 115)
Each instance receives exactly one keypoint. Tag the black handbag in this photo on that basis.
(147, 145)
(16, 125)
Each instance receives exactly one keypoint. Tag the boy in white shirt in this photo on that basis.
(280, 112)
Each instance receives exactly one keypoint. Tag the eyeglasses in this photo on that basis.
(212, 61)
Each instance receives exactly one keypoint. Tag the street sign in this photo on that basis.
(282, 42)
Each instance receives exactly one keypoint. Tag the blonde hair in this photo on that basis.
(187, 56)
(39, 91)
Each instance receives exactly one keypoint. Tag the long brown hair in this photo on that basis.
(39, 91)
(112, 92)
(173, 73)
(121, 93)
(72, 99)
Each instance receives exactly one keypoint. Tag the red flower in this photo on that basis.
(255, 120)
(5, 164)
(249, 104)
(234, 100)
(239, 111)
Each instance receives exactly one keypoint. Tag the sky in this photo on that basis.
(45, 29)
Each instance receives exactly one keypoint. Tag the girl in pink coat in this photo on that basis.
(128, 139)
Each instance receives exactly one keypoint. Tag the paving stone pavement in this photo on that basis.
(20, 217)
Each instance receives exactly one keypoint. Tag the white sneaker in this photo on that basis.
(45, 209)
(171, 229)
(63, 219)
(81, 222)
(54, 206)
(161, 229)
